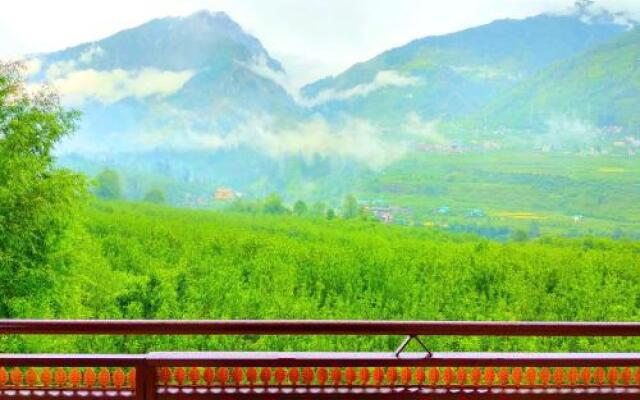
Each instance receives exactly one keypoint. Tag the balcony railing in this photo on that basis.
(331, 375)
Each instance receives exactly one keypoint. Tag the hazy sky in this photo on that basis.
(312, 38)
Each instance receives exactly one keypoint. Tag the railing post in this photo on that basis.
(145, 382)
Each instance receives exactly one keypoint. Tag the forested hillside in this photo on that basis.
(452, 75)
(142, 261)
(601, 86)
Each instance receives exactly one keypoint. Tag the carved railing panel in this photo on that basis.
(354, 376)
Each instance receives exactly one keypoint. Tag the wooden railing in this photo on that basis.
(394, 375)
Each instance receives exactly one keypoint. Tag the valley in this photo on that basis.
(519, 117)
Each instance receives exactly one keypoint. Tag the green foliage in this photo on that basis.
(519, 235)
(537, 192)
(600, 85)
(155, 195)
(142, 301)
(273, 205)
(331, 214)
(108, 185)
(244, 206)
(318, 209)
(300, 208)
(350, 208)
(150, 261)
(38, 202)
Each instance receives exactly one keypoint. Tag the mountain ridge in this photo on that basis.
(175, 78)
(470, 66)
(600, 85)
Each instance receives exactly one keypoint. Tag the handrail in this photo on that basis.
(316, 327)
(320, 375)
(321, 359)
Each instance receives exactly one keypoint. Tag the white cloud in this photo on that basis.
(425, 131)
(383, 79)
(565, 132)
(356, 139)
(59, 69)
(260, 66)
(91, 53)
(108, 87)
(33, 66)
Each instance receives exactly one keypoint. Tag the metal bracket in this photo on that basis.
(406, 342)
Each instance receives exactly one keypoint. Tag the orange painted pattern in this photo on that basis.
(124, 379)
(73, 378)
(394, 376)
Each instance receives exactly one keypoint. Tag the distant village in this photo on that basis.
(382, 211)
(613, 142)
(221, 194)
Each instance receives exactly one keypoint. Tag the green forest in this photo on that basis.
(66, 254)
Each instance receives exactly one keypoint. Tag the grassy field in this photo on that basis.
(143, 261)
(518, 190)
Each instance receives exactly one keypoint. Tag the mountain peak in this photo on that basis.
(202, 40)
(217, 20)
(210, 16)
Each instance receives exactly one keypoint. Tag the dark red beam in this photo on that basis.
(321, 327)
(72, 360)
(364, 359)
(327, 359)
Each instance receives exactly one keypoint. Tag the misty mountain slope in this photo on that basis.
(601, 86)
(168, 81)
(455, 74)
(203, 39)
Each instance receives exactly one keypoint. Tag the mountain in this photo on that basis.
(600, 86)
(453, 75)
(193, 103)
(176, 81)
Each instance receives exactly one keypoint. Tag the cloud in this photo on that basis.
(108, 87)
(60, 68)
(91, 53)
(590, 11)
(260, 66)
(355, 139)
(32, 66)
(568, 133)
(383, 79)
(425, 131)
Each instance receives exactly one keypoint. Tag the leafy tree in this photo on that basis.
(244, 206)
(142, 301)
(300, 208)
(520, 235)
(155, 195)
(108, 185)
(319, 209)
(39, 203)
(273, 205)
(331, 214)
(350, 208)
